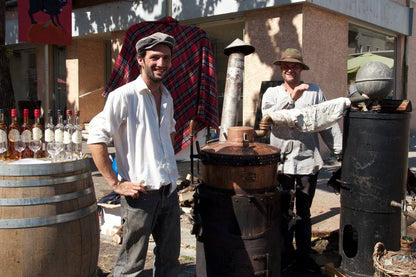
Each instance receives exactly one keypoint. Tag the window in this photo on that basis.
(381, 46)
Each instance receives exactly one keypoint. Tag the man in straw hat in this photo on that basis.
(139, 118)
(298, 173)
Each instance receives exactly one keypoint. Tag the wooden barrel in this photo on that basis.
(48, 220)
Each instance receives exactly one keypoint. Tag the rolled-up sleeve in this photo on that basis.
(274, 100)
(105, 124)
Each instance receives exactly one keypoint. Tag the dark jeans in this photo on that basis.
(305, 186)
(155, 213)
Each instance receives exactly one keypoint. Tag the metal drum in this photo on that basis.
(237, 208)
(374, 169)
(49, 223)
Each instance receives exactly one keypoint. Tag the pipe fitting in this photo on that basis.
(264, 126)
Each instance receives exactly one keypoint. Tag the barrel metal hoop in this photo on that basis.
(42, 182)
(45, 221)
(44, 169)
(45, 200)
(239, 160)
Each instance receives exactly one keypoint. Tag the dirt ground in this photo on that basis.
(325, 245)
(109, 249)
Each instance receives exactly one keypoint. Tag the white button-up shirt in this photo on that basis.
(143, 146)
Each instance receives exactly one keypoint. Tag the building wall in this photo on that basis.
(86, 79)
(270, 32)
(325, 49)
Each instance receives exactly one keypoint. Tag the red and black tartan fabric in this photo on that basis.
(191, 80)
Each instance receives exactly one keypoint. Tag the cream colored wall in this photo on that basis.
(85, 77)
(270, 32)
(325, 50)
(91, 65)
(93, 70)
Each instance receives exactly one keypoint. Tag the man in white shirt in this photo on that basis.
(299, 171)
(139, 118)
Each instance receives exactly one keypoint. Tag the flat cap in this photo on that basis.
(153, 40)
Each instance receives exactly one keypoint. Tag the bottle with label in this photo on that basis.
(49, 131)
(59, 128)
(26, 134)
(37, 129)
(37, 135)
(68, 130)
(59, 131)
(14, 135)
(3, 136)
(77, 138)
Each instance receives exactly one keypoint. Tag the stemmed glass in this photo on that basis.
(35, 146)
(19, 146)
(3, 148)
(54, 148)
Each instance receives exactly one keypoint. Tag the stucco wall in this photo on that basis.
(85, 77)
(91, 55)
(325, 50)
(270, 32)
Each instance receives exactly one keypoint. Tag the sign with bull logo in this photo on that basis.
(45, 21)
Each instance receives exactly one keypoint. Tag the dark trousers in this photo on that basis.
(155, 213)
(304, 186)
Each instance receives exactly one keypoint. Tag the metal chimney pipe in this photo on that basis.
(233, 84)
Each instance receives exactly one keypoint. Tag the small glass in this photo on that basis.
(3, 148)
(54, 148)
(19, 146)
(35, 146)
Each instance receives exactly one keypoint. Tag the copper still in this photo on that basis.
(240, 164)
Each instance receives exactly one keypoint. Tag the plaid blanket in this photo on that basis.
(191, 80)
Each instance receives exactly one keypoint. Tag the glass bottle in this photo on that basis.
(37, 131)
(59, 128)
(37, 128)
(59, 131)
(14, 134)
(68, 130)
(3, 135)
(49, 130)
(26, 134)
(77, 138)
